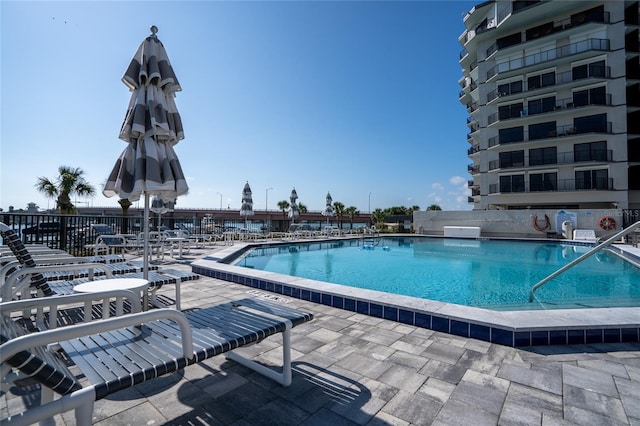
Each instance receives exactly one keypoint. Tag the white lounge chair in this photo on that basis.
(118, 353)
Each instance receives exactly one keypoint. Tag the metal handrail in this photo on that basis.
(594, 250)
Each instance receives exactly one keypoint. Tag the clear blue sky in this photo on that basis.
(355, 98)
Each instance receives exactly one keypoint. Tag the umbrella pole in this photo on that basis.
(145, 263)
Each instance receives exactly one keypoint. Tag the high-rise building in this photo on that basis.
(552, 89)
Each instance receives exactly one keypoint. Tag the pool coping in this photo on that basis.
(509, 328)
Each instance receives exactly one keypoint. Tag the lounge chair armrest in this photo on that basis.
(13, 278)
(40, 261)
(43, 338)
(58, 302)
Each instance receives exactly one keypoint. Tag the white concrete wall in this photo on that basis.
(513, 223)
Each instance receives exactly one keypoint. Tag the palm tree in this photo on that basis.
(434, 207)
(283, 205)
(302, 208)
(377, 217)
(338, 210)
(69, 182)
(125, 204)
(352, 212)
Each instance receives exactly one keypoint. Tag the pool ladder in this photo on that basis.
(591, 252)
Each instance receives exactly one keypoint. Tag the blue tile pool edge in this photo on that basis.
(513, 336)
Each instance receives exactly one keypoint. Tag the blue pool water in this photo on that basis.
(489, 273)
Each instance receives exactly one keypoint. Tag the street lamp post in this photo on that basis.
(266, 200)
(369, 203)
(220, 200)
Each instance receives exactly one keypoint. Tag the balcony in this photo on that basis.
(473, 150)
(559, 131)
(592, 44)
(537, 108)
(561, 158)
(561, 185)
(473, 169)
(560, 78)
(554, 27)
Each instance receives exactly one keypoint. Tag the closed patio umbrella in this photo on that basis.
(293, 206)
(247, 203)
(151, 128)
(160, 207)
(328, 209)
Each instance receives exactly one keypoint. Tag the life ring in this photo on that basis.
(547, 223)
(607, 223)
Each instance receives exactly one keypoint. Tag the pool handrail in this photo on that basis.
(574, 262)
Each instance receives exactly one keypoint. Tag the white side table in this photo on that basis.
(134, 284)
(178, 240)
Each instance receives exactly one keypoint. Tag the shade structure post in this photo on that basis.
(145, 251)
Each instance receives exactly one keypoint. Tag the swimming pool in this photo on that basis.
(517, 328)
(491, 274)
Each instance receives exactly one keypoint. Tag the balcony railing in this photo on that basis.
(560, 78)
(596, 44)
(561, 104)
(560, 131)
(473, 169)
(558, 26)
(561, 185)
(561, 158)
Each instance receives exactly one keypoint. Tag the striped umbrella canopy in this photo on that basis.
(246, 209)
(328, 209)
(151, 128)
(293, 206)
(160, 207)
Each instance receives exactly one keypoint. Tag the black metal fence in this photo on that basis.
(73, 233)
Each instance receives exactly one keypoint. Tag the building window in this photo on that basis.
(509, 111)
(543, 182)
(542, 130)
(512, 159)
(595, 96)
(509, 40)
(541, 80)
(591, 124)
(634, 177)
(542, 156)
(513, 183)
(596, 69)
(592, 179)
(509, 88)
(592, 15)
(593, 151)
(539, 106)
(540, 31)
(514, 134)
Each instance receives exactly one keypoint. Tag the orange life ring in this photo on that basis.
(607, 223)
(547, 223)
